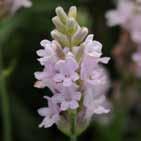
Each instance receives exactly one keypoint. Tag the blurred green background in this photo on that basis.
(20, 37)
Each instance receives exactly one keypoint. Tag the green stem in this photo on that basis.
(73, 136)
(4, 104)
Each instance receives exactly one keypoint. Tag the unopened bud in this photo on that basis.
(60, 37)
(59, 25)
(61, 14)
(71, 26)
(72, 12)
(59, 50)
(79, 36)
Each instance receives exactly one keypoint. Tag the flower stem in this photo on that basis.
(73, 136)
(4, 104)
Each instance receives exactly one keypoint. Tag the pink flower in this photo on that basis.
(50, 113)
(91, 59)
(45, 78)
(95, 78)
(93, 50)
(48, 53)
(66, 71)
(72, 72)
(68, 98)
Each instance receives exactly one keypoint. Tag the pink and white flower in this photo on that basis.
(50, 113)
(66, 71)
(68, 98)
(74, 75)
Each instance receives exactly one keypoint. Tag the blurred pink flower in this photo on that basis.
(121, 16)
(95, 105)
(128, 16)
(16, 4)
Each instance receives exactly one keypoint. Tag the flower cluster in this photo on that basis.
(128, 16)
(72, 70)
(11, 6)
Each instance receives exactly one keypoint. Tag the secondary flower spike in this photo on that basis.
(128, 16)
(73, 71)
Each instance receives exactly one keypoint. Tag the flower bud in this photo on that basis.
(59, 25)
(61, 14)
(71, 26)
(79, 36)
(72, 12)
(58, 50)
(61, 38)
